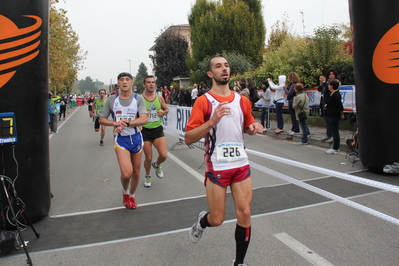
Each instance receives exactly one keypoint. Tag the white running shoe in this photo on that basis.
(332, 151)
(147, 181)
(232, 264)
(197, 230)
(158, 170)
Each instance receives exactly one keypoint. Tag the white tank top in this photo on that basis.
(225, 141)
(130, 112)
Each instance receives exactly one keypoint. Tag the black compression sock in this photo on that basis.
(204, 221)
(242, 236)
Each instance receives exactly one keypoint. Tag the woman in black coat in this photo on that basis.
(335, 112)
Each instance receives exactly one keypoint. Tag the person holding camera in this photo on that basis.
(278, 101)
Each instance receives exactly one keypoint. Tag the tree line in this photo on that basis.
(232, 28)
(235, 29)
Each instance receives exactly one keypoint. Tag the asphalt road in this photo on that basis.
(291, 225)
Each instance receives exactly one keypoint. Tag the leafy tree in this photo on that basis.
(326, 45)
(310, 57)
(99, 85)
(65, 55)
(87, 84)
(280, 31)
(141, 74)
(233, 25)
(169, 59)
(289, 56)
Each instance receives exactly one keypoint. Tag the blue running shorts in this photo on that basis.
(133, 143)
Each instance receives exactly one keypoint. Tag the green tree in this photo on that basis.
(141, 74)
(65, 56)
(310, 57)
(87, 84)
(98, 85)
(170, 56)
(233, 25)
(326, 46)
(279, 32)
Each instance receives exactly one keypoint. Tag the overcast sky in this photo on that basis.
(114, 32)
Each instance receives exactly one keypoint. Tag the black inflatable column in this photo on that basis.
(24, 91)
(375, 27)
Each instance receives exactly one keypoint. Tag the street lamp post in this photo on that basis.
(130, 67)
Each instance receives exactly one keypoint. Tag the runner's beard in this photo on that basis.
(222, 81)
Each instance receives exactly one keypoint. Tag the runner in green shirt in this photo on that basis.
(153, 131)
(97, 108)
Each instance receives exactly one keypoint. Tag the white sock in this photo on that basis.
(126, 192)
(132, 195)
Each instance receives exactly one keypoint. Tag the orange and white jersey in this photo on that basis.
(224, 143)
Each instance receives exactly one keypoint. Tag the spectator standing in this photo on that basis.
(244, 90)
(301, 107)
(278, 101)
(331, 74)
(53, 112)
(325, 94)
(187, 97)
(174, 96)
(167, 94)
(73, 100)
(63, 106)
(253, 93)
(293, 78)
(181, 96)
(194, 94)
(335, 112)
(266, 102)
(323, 89)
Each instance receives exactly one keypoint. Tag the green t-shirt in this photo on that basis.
(152, 107)
(100, 106)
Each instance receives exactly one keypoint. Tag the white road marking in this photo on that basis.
(326, 194)
(121, 207)
(186, 167)
(302, 250)
(173, 231)
(59, 127)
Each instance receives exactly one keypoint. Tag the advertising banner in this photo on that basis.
(174, 123)
(24, 27)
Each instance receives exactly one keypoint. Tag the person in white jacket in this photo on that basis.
(278, 101)
(266, 102)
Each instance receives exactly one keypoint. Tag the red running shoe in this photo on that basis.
(126, 201)
(133, 204)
